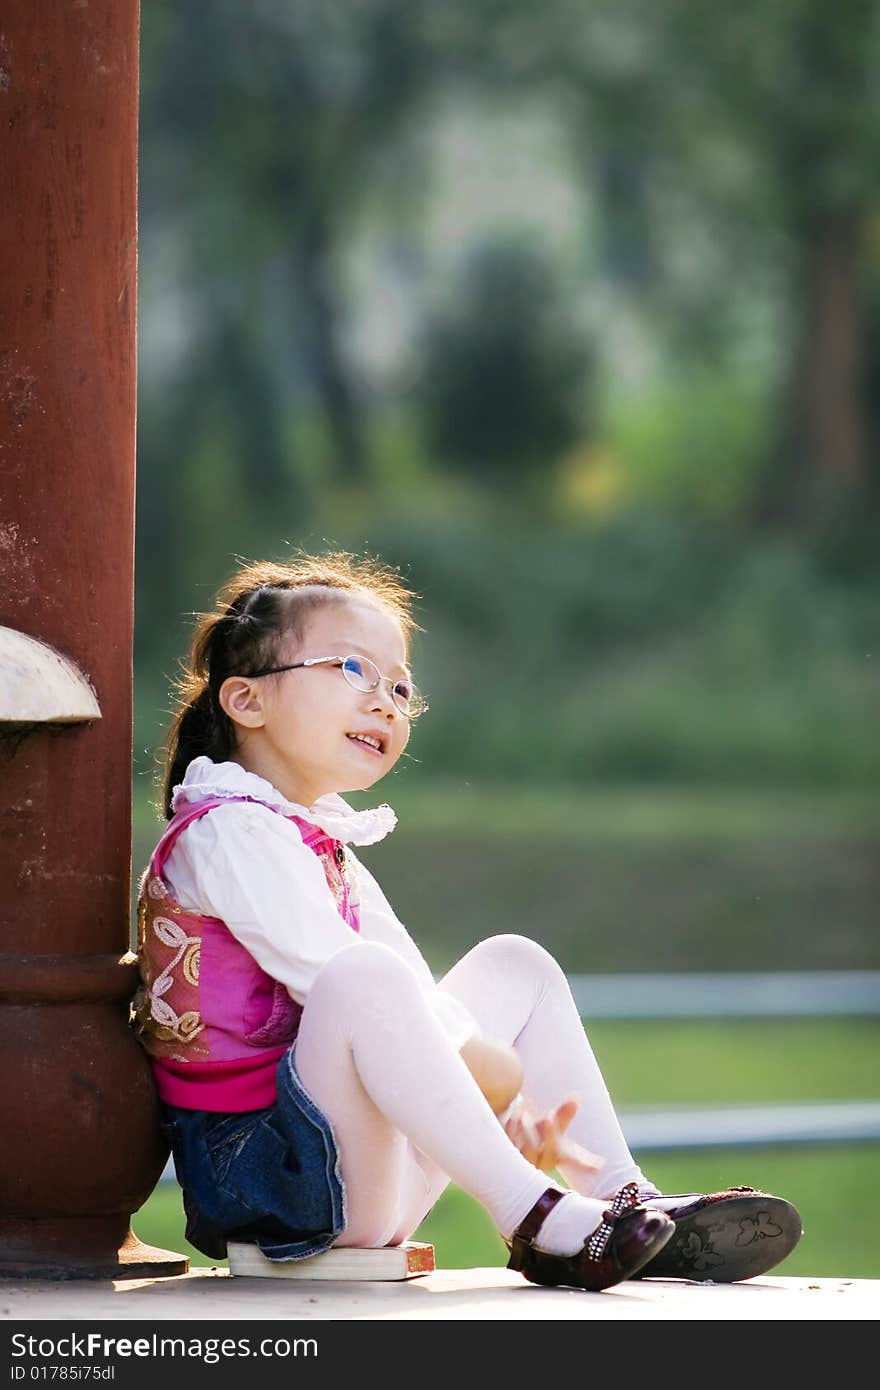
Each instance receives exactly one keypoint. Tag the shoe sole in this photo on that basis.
(735, 1238)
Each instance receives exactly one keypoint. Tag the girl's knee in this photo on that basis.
(510, 951)
(366, 969)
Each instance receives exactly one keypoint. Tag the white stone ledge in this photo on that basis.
(38, 685)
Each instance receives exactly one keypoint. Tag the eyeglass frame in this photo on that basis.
(340, 661)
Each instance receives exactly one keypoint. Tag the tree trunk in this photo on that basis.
(831, 423)
(822, 476)
(313, 279)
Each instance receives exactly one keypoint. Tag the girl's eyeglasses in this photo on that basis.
(364, 675)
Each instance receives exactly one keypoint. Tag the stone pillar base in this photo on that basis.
(81, 1248)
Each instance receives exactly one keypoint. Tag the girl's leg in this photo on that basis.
(519, 995)
(376, 1061)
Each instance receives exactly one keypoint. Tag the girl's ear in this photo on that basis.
(242, 700)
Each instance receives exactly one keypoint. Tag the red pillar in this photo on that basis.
(80, 1148)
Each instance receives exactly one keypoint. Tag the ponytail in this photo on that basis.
(199, 728)
(237, 638)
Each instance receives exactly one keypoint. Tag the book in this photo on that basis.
(405, 1261)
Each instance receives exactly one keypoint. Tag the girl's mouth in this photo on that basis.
(373, 745)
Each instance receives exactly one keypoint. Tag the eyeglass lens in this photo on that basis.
(363, 674)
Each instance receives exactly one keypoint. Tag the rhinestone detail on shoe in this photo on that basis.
(624, 1201)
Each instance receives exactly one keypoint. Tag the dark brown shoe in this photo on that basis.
(724, 1236)
(627, 1236)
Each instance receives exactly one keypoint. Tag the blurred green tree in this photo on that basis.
(505, 370)
(262, 127)
(749, 134)
(796, 87)
(727, 163)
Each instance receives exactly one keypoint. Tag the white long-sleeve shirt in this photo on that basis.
(247, 865)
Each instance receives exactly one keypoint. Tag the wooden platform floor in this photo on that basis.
(446, 1294)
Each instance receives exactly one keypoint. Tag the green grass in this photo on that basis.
(691, 1063)
(735, 1061)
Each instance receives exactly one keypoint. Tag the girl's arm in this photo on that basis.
(248, 866)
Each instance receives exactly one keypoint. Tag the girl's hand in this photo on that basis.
(496, 1069)
(542, 1140)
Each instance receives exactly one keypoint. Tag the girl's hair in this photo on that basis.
(255, 610)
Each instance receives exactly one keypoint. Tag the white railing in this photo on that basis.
(779, 994)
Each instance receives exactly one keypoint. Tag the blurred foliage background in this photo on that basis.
(574, 316)
(571, 312)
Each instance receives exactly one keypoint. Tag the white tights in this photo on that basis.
(408, 1116)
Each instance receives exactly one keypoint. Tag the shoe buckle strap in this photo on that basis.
(531, 1223)
(528, 1228)
(624, 1201)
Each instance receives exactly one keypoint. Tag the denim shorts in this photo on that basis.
(270, 1177)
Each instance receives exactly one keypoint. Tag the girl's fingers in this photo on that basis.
(543, 1142)
(565, 1113)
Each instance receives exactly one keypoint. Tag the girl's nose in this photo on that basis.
(383, 703)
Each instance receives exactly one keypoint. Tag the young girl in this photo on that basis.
(318, 1087)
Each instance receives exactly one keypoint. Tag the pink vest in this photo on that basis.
(214, 1023)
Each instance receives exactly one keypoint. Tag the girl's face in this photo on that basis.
(305, 730)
